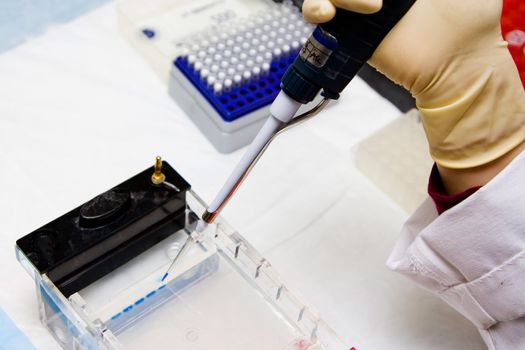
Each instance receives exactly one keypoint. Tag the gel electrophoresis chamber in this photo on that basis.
(98, 272)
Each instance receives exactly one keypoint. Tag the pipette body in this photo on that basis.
(328, 61)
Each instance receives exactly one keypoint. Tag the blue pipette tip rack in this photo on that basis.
(226, 77)
(245, 98)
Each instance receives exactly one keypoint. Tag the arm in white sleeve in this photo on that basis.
(473, 256)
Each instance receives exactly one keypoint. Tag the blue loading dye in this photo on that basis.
(138, 302)
(245, 98)
(128, 308)
(164, 277)
(149, 33)
(163, 286)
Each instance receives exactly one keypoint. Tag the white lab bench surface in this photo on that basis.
(80, 111)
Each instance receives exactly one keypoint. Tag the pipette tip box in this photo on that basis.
(225, 64)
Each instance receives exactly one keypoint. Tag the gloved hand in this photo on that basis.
(451, 56)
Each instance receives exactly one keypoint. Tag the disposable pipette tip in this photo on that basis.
(201, 226)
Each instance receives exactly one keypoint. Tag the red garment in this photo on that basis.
(439, 195)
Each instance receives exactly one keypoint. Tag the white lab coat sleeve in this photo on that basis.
(473, 256)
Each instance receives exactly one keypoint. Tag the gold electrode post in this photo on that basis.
(158, 177)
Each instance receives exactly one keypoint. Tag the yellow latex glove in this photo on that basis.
(451, 56)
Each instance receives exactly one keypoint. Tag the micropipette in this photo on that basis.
(328, 61)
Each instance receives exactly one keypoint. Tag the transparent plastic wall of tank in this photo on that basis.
(222, 294)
